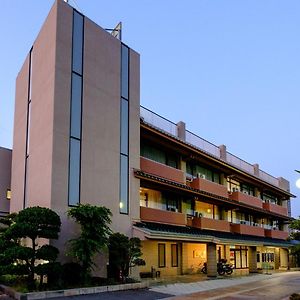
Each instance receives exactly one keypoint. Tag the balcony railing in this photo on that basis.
(162, 216)
(161, 170)
(247, 229)
(210, 187)
(246, 199)
(210, 224)
(169, 127)
(276, 234)
(275, 208)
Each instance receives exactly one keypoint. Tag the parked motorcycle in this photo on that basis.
(222, 268)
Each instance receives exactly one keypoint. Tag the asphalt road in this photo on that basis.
(277, 288)
(143, 294)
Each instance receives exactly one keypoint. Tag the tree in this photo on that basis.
(31, 224)
(124, 253)
(93, 238)
(295, 235)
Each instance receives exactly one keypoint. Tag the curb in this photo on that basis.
(72, 292)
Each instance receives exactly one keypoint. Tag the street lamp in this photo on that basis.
(298, 180)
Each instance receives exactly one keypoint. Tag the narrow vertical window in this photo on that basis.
(124, 71)
(28, 122)
(174, 255)
(76, 106)
(74, 172)
(124, 126)
(76, 110)
(77, 42)
(124, 184)
(124, 131)
(161, 255)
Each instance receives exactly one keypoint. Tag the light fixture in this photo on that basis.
(8, 194)
(121, 205)
(208, 210)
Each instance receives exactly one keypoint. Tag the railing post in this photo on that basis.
(181, 130)
(256, 169)
(223, 152)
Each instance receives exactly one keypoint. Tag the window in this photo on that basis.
(258, 256)
(75, 110)
(77, 42)
(76, 106)
(161, 255)
(124, 71)
(174, 255)
(247, 189)
(124, 126)
(124, 131)
(124, 184)
(74, 172)
(202, 171)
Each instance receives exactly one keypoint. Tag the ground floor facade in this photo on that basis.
(175, 250)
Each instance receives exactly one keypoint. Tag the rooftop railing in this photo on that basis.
(169, 127)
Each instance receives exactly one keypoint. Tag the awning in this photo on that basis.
(155, 231)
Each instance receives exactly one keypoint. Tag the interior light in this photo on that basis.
(8, 194)
(121, 204)
(209, 210)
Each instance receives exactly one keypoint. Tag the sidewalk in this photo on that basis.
(206, 284)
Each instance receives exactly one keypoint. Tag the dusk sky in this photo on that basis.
(229, 69)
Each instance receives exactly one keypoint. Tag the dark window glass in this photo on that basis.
(124, 126)
(174, 255)
(161, 255)
(77, 42)
(124, 184)
(74, 172)
(28, 128)
(124, 71)
(76, 106)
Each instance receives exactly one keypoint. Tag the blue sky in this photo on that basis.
(229, 69)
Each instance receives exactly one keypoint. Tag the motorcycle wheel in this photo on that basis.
(221, 271)
(204, 270)
(229, 271)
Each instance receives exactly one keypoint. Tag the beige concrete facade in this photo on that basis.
(5, 179)
(41, 153)
(49, 128)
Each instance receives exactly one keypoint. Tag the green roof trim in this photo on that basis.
(171, 232)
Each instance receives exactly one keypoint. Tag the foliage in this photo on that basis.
(30, 224)
(124, 253)
(295, 235)
(71, 273)
(93, 238)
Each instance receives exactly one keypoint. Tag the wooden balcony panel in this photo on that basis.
(162, 216)
(275, 208)
(210, 187)
(211, 224)
(246, 199)
(276, 234)
(247, 229)
(161, 170)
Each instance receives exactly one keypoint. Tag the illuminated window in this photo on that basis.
(8, 194)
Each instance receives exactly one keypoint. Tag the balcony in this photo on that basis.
(275, 208)
(247, 229)
(161, 170)
(210, 224)
(276, 234)
(246, 199)
(210, 187)
(162, 216)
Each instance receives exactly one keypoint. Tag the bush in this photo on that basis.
(71, 273)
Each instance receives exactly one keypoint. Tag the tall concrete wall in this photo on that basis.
(5, 179)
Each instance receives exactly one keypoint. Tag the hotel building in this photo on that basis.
(81, 136)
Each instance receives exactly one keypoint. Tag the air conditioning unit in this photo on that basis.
(235, 189)
(199, 175)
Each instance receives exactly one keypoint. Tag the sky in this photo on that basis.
(229, 69)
